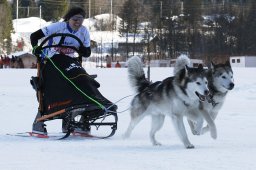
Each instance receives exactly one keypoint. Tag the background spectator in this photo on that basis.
(108, 60)
(1, 62)
(118, 65)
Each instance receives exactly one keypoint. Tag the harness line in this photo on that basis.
(121, 100)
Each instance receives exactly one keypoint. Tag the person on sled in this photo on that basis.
(71, 24)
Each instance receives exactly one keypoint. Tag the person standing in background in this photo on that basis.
(108, 60)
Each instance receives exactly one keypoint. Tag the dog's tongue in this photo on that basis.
(201, 97)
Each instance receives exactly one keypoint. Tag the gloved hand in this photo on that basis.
(37, 50)
(84, 51)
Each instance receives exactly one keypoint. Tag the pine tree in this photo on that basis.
(53, 10)
(130, 14)
(249, 33)
(6, 26)
(33, 9)
(81, 3)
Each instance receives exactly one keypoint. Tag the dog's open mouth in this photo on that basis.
(201, 97)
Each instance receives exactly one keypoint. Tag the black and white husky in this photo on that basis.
(173, 96)
(220, 78)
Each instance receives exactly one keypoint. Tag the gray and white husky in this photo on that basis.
(173, 97)
(220, 78)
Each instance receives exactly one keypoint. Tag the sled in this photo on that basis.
(66, 91)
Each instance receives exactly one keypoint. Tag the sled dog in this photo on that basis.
(172, 96)
(220, 78)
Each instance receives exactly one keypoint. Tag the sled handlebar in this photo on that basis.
(63, 36)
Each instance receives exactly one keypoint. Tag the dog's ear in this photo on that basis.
(228, 63)
(181, 77)
(187, 70)
(212, 65)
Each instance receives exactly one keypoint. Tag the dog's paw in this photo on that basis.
(214, 134)
(195, 132)
(190, 146)
(157, 143)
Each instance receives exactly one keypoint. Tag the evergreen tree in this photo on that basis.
(23, 8)
(249, 34)
(192, 17)
(53, 10)
(33, 9)
(81, 3)
(6, 26)
(130, 14)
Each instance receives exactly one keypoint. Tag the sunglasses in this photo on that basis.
(77, 18)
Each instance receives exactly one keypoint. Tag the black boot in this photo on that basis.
(39, 127)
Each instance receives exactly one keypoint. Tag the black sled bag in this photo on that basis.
(59, 93)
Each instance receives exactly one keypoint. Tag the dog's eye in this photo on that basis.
(224, 77)
(198, 83)
(206, 82)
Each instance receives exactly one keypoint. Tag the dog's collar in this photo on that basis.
(211, 100)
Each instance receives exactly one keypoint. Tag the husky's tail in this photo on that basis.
(180, 64)
(136, 74)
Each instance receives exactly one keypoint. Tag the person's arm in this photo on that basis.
(86, 48)
(85, 51)
(35, 36)
(88, 51)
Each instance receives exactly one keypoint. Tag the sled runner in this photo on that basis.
(54, 136)
(66, 91)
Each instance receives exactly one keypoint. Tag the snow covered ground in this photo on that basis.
(234, 149)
